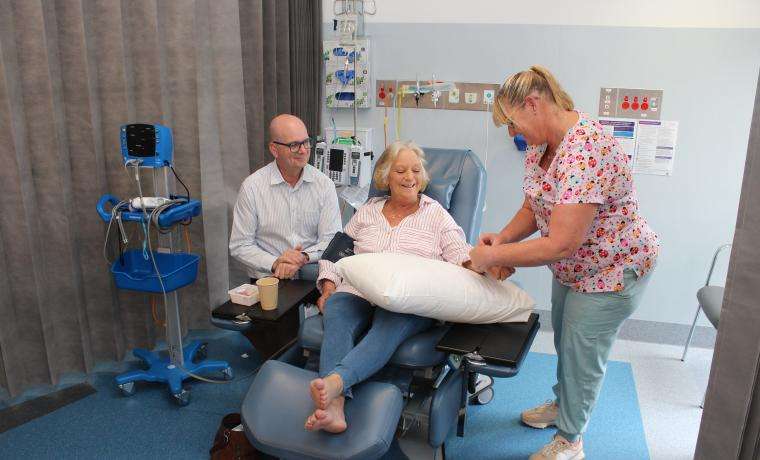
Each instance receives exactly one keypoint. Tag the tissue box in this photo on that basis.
(245, 294)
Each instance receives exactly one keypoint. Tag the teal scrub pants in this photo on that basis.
(585, 327)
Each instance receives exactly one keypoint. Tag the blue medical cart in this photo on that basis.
(150, 147)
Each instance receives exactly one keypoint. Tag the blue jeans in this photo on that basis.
(346, 317)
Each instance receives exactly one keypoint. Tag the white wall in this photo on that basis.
(618, 13)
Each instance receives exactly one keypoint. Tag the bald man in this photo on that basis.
(286, 212)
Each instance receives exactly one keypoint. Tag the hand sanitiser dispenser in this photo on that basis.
(159, 266)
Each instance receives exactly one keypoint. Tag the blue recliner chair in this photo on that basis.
(423, 392)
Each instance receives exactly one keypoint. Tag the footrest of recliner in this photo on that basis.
(278, 402)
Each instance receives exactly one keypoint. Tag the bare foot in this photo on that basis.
(324, 391)
(332, 420)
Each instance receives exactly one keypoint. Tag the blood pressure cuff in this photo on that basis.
(340, 246)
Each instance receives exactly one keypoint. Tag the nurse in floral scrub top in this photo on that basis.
(579, 195)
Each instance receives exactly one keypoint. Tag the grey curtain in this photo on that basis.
(730, 426)
(72, 72)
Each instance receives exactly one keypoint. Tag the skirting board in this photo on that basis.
(652, 332)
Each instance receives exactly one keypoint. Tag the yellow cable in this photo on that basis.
(385, 127)
(154, 312)
(399, 95)
(187, 239)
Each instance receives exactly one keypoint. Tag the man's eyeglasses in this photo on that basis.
(295, 146)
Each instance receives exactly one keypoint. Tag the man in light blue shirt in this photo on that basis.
(286, 212)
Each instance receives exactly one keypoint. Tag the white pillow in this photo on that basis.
(435, 289)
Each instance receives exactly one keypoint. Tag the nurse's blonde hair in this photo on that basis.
(517, 87)
(383, 167)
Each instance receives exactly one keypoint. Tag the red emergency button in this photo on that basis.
(625, 105)
(635, 106)
(644, 106)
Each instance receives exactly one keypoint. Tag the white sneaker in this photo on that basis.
(542, 416)
(560, 449)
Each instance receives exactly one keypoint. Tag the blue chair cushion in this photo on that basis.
(416, 352)
(441, 190)
(278, 402)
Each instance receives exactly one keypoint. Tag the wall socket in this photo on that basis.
(454, 96)
(488, 96)
(470, 98)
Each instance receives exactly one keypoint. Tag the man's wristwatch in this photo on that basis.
(306, 255)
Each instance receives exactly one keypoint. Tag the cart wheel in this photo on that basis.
(227, 374)
(483, 398)
(201, 353)
(127, 389)
(182, 398)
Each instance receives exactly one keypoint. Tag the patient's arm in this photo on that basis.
(453, 245)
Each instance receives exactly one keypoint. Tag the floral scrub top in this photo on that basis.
(591, 167)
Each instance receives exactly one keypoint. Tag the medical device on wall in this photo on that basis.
(347, 73)
(347, 69)
(153, 261)
(345, 161)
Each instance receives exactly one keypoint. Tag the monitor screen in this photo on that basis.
(336, 160)
(141, 140)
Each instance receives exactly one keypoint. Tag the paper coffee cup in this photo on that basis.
(268, 292)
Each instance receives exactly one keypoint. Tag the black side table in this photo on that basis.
(271, 332)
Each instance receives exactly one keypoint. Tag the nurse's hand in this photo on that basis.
(500, 273)
(468, 265)
(489, 239)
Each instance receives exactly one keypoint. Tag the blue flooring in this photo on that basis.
(494, 431)
(150, 425)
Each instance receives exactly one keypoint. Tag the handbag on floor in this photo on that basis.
(230, 442)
